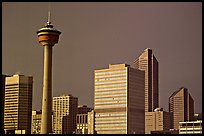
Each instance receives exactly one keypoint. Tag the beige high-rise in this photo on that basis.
(158, 120)
(91, 122)
(64, 114)
(119, 100)
(18, 103)
(181, 104)
(147, 62)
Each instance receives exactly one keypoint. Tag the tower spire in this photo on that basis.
(49, 15)
(48, 24)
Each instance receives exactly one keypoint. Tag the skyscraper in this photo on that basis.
(64, 114)
(147, 62)
(119, 100)
(181, 104)
(18, 103)
(48, 37)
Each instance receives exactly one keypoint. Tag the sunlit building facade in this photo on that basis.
(36, 122)
(119, 100)
(91, 122)
(64, 114)
(18, 103)
(181, 104)
(190, 127)
(148, 62)
(82, 119)
(158, 120)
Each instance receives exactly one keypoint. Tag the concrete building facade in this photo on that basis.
(158, 120)
(64, 114)
(190, 127)
(82, 119)
(148, 62)
(119, 100)
(91, 122)
(36, 122)
(47, 37)
(181, 104)
(18, 103)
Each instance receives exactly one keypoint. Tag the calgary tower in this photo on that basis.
(48, 37)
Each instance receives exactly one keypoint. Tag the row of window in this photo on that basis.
(111, 92)
(110, 85)
(110, 99)
(110, 106)
(110, 72)
(106, 79)
(111, 88)
(109, 76)
(110, 102)
(110, 96)
(110, 82)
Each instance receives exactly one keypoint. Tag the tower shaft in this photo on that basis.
(46, 123)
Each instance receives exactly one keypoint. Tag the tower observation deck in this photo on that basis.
(48, 37)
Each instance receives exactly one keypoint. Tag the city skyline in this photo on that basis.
(102, 34)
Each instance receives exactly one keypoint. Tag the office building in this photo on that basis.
(36, 122)
(158, 120)
(18, 103)
(91, 122)
(148, 62)
(64, 114)
(82, 119)
(181, 104)
(190, 127)
(119, 100)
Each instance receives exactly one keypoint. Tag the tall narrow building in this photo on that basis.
(36, 122)
(47, 37)
(148, 62)
(64, 114)
(181, 104)
(119, 100)
(18, 103)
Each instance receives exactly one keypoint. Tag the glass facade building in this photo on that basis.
(148, 62)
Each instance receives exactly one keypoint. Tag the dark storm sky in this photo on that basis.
(95, 35)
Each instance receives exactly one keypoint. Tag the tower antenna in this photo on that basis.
(49, 14)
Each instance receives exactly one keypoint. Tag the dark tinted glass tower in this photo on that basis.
(147, 62)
